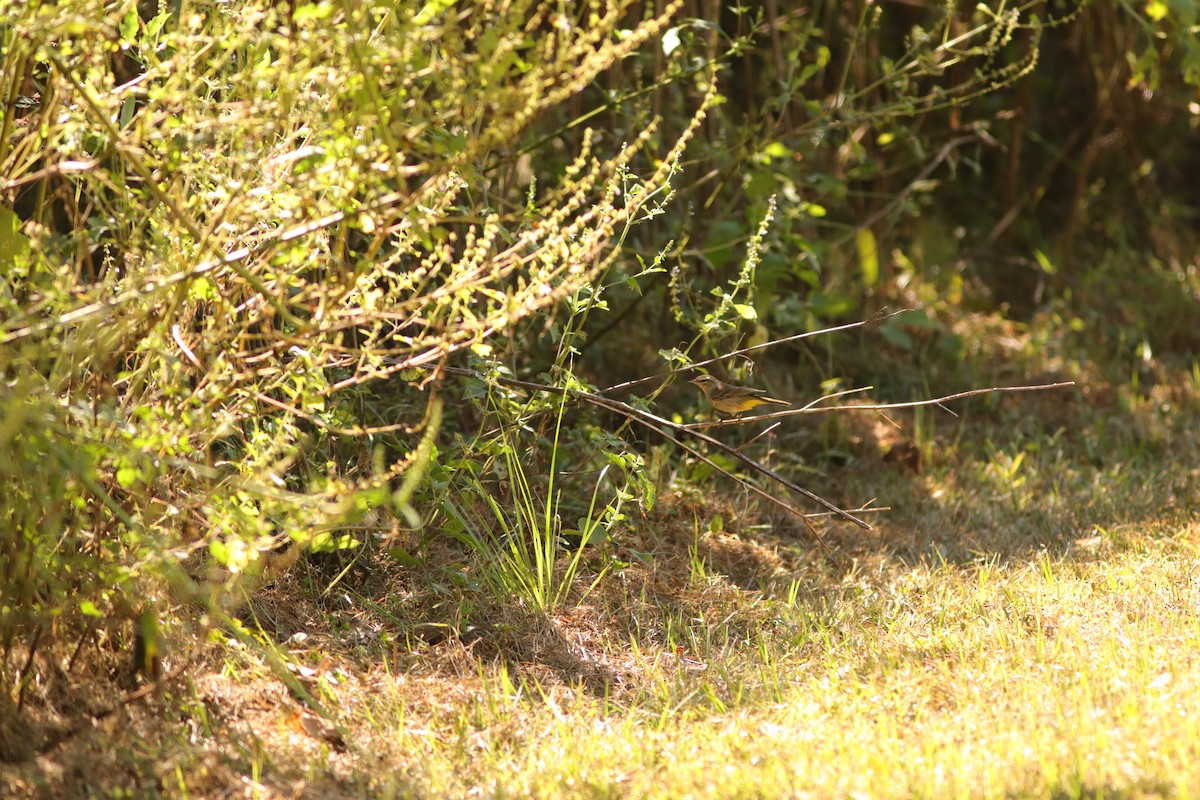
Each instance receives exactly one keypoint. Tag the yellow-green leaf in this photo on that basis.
(868, 255)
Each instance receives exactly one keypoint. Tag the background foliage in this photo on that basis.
(237, 241)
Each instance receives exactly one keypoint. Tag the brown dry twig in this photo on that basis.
(878, 318)
(671, 430)
(812, 408)
(666, 428)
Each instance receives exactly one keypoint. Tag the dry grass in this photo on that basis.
(1024, 623)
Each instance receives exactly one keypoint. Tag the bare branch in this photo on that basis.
(850, 326)
(810, 409)
(661, 426)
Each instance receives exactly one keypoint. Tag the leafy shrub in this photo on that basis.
(242, 244)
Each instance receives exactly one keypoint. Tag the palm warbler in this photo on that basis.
(730, 399)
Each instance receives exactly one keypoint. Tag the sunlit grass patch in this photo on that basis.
(1043, 678)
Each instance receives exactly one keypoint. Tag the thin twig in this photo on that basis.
(900, 197)
(761, 434)
(849, 326)
(661, 425)
(619, 407)
(809, 409)
(736, 479)
(318, 422)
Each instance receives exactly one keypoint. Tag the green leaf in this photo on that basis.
(868, 255)
(128, 476)
(402, 557)
(128, 26)
(917, 318)
(1044, 262)
(640, 557)
(593, 537)
(830, 305)
(313, 11)
(155, 25)
(219, 551)
(128, 108)
(89, 609)
(329, 543)
(431, 10)
(777, 150)
(202, 289)
(897, 336)
(14, 246)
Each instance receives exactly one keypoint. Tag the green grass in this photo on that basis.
(1022, 623)
(219, 228)
(1055, 677)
